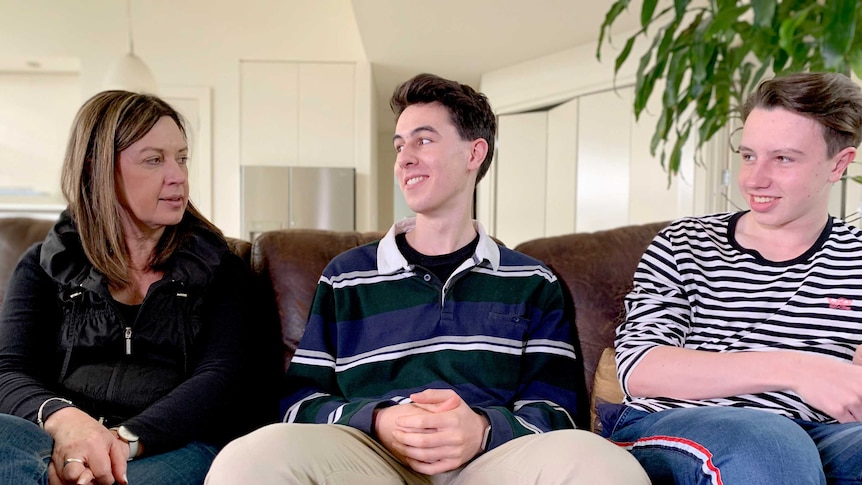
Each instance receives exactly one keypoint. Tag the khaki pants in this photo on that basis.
(340, 455)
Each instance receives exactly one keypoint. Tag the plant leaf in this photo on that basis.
(666, 40)
(645, 83)
(708, 128)
(679, 6)
(787, 30)
(780, 60)
(854, 57)
(723, 4)
(676, 151)
(758, 76)
(839, 15)
(722, 23)
(625, 53)
(697, 55)
(616, 9)
(712, 53)
(662, 128)
(646, 79)
(647, 12)
(675, 70)
(764, 12)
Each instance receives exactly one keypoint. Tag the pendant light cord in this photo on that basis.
(129, 20)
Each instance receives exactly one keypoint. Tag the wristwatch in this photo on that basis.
(486, 439)
(126, 435)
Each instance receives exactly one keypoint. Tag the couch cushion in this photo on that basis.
(606, 387)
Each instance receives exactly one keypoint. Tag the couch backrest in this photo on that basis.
(288, 264)
(19, 233)
(596, 268)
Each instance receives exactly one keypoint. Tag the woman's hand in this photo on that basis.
(84, 452)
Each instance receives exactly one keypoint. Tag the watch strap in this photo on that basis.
(486, 438)
(126, 435)
(133, 449)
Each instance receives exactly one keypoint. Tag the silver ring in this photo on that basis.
(73, 460)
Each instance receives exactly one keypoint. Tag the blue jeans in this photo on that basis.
(25, 452)
(722, 445)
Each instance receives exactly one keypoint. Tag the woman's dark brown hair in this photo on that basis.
(106, 125)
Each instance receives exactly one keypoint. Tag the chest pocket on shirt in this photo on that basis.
(493, 321)
(492, 337)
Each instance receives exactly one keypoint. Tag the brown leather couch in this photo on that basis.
(595, 268)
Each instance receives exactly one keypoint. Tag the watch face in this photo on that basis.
(126, 434)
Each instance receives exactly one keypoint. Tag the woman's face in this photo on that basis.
(152, 180)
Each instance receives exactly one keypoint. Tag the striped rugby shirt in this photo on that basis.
(379, 330)
(697, 288)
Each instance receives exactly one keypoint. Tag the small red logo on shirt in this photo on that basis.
(839, 303)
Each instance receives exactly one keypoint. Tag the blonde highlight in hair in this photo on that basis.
(106, 124)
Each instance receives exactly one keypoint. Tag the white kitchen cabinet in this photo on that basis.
(326, 115)
(604, 158)
(562, 177)
(520, 177)
(581, 166)
(297, 114)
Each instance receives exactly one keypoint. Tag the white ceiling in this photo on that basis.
(461, 39)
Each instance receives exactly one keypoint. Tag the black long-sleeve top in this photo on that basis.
(170, 375)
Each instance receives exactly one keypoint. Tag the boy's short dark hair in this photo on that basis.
(469, 110)
(831, 99)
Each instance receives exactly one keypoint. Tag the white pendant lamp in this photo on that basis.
(130, 73)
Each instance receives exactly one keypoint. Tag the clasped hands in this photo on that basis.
(435, 433)
(85, 452)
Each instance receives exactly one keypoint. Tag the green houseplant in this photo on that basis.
(711, 53)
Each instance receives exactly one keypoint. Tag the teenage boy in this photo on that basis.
(737, 353)
(433, 355)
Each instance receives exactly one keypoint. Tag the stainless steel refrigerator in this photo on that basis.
(298, 198)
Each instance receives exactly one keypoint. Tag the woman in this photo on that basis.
(120, 333)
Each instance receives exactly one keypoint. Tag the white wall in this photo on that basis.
(556, 78)
(617, 181)
(201, 43)
(392, 205)
(35, 113)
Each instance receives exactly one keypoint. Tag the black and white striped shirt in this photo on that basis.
(697, 288)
